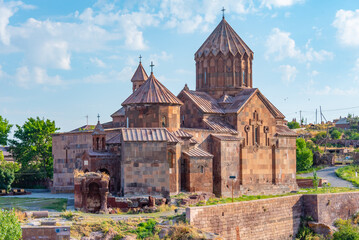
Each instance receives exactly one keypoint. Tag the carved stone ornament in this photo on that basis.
(265, 129)
(247, 128)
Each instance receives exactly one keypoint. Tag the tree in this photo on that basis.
(293, 125)
(7, 177)
(33, 147)
(335, 134)
(10, 226)
(5, 128)
(304, 155)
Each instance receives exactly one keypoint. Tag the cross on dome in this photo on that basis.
(152, 65)
(223, 12)
(140, 57)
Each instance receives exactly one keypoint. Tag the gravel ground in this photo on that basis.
(329, 174)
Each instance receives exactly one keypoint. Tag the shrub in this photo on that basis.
(10, 226)
(346, 230)
(315, 180)
(146, 229)
(293, 125)
(304, 155)
(7, 177)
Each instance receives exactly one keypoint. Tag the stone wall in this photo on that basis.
(45, 232)
(276, 218)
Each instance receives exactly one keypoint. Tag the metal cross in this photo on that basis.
(98, 117)
(152, 65)
(223, 11)
(140, 57)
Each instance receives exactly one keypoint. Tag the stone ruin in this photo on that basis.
(91, 190)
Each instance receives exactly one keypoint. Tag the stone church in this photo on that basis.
(223, 135)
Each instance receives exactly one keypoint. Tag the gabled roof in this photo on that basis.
(283, 130)
(198, 152)
(203, 101)
(114, 140)
(148, 135)
(225, 40)
(152, 91)
(342, 121)
(140, 74)
(181, 134)
(219, 125)
(225, 99)
(119, 113)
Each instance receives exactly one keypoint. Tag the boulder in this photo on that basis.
(321, 228)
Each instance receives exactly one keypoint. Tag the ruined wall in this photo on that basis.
(276, 218)
(145, 168)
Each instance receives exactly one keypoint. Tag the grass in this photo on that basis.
(300, 177)
(348, 173)
(323, 190)
(57, 204)
(312, 169)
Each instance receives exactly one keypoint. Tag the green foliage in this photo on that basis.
(304, 155)
(146, 229)
(312, 146)
(293, 125)
(7, 177)
(335, 134)
(33, 147)
(315, 180)
(311, 169)
(319, 136)
(348, 173)
(1, 156)
(304, 232)
(5, 128)
(346, 231)
(32, 178)
(10, 226)
(351, 134)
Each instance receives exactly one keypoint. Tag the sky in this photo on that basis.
(65, 60)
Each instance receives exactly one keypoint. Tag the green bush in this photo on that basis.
(7, 177)
(293, 125)
(10, 226)
(346, 231)
(348, 173)
(146, 229)
(304, 155)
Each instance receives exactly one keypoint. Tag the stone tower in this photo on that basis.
(139, 77)
(223, 63)
(99, 138)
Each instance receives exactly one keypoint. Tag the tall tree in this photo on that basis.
(32, 146)
(5, 128)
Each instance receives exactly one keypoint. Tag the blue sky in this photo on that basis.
(64, 60)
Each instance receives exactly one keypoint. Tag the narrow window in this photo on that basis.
(202, 169)
(103, 144)
(127, 122)
(244, 78)
(164, 122)
(182, 120)
(97, 143)
(205, 77)
(170, 159)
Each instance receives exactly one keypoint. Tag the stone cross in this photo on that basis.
(98, 117)
(152, 65)
(140, 57)
(223, 12)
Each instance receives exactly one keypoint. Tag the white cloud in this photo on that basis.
(124, 75)
(98, 62)
(26, 77)
(158, 58)
(288, 73)
(279, 3)
(347, 24)
(337, 91)
(280, 46)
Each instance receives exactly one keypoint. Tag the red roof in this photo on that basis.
(140, 74)
(224, 39)
(152, 91)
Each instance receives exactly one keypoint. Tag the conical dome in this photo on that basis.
(223, 39)
(152, 91)
(140, 74)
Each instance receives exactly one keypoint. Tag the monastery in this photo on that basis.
(224, 135)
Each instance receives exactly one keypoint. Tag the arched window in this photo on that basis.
(171, 158)
(164, 121)
(201, 169)
(127, 122)
(97, 143)
(103, 143)
(205, 76)
(244, 78)
(182, 120)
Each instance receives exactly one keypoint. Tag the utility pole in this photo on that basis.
(300, 117)
(321, 115)
(316, 114)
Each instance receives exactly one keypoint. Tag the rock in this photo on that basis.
(321, 228)
(164, 232)
(130, 237)
(94, 236)
(40, 214)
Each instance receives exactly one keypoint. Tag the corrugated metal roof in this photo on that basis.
(152, 91)
(140, 74)
(181, 134)
(197, 152)
(119, 113)
(203, 101)
(114, 140)
(283, 130)
(342, 121)
(148, 135)
(219, 125)
(226, 137)
(225, 40)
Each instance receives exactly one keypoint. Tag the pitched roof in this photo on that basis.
(223, 39)
(85, 128)
(226, 99)
(283, 130)
(140, 74)
(148, 135)
(198, 152)
(98, 129)
(342, 121)
(203, 101)
(152, 91)
(219, 125)
(120, 112)
(114, 140)
(181, 134)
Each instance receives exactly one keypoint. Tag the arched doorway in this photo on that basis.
(93, 203)
(110, 182)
